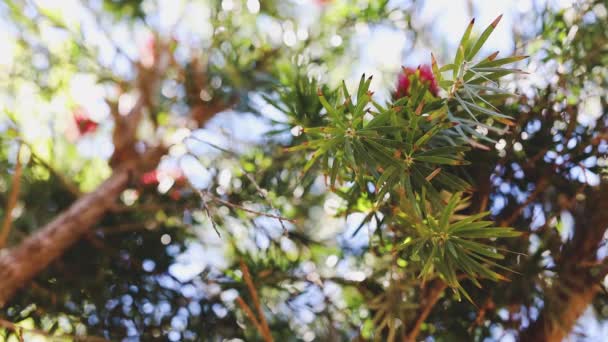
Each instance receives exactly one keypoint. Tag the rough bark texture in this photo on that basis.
(578, 279)
(19, 265)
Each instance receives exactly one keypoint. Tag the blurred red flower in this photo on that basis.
(150, 177)
(426, 76)
(83, 122)
(154, 176)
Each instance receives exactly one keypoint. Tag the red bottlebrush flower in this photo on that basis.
(426, 76)
(403, 82)
(150, 177)
(84, 124)
(155, 176)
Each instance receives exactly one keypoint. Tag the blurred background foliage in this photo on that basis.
(166, 263)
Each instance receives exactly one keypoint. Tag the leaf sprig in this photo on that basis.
(411, 150)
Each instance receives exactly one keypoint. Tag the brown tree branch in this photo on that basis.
(577, 283)
(249, 313)
(430, 296)
(541, 186)
(256, 302)
(204, 194)
(21, 264)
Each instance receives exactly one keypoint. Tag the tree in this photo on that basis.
(468, 202)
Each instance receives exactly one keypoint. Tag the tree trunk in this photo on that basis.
(19, 265)
(555, 326)
(579, 277)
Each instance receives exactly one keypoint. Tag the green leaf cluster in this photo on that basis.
(406, 156)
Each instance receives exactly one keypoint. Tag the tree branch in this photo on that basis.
(256, 302)
(430, 297)
(577, 283)
(21, 264)
(541, 186)
(249, 313)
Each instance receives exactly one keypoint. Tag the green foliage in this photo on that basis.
(446, 245)
(407, 150)
(351, 226)
(125, 8)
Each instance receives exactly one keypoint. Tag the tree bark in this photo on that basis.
(19, 265)
(578, 280)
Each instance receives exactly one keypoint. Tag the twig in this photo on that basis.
(262, 192)
(256, 302)
(12, 200)
(540, 187)
(208, 212)
(203, 194)
(432, 296)
(251, 211)
(481, 313)
(247, 310)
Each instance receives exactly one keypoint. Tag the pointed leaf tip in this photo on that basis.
(496, 21)
(472, 22)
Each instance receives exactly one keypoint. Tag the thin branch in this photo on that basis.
(208, 212)
(256, 302)
(247, 310)
(431, 296)
(240, 207)
(481, 313)
(12, 200)
(542, 184)
(261, 191)
(264, 194)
